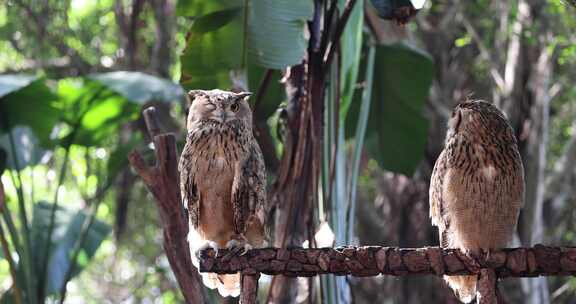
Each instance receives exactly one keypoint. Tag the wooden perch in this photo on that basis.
(163, 181)
(374, 260)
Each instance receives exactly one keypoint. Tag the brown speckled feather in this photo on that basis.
(436, 182)
(222, 179)
(249, 188)
(188, 189)
(477, 185)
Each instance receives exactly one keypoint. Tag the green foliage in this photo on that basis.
(397, 131)
(26, 100)
(194, 8)
(101, 103)
(273, 95)
(85, 111)
(28, 151)
(139, 87)
(213, 48)
(276, 31)
(67, 229)
(3, 160)
(92, 112)
(351, 47)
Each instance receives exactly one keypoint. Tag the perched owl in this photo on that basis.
(222, 180)
(477, 186)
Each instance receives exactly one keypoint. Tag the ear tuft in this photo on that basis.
(243, 95)
(192, 94)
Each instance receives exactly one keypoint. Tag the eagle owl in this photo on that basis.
(477, 186)
(222, 180)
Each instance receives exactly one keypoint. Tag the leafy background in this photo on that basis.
(77, 74)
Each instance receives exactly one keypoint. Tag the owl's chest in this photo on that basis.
(217, 152)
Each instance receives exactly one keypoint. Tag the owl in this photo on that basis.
(222, 180)
(477, 186)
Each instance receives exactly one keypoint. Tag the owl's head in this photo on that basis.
(480, 120)
(218, 106)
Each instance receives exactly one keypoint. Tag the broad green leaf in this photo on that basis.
(100, 104)
(276, 31)
(26, 145)
(195, 8)
(213, 48)
(273, 96)
(67, 228)
(214, 21)
(27, 101)
(139, 87)
(101, 111)
(13, 82)
(396, 134)
(351, 48)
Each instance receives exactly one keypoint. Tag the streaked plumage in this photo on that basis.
(477, 186)
(222, 179)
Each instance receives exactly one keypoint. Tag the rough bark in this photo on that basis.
(162, 180)
(249, 288)
(486, 293)
(375, 260)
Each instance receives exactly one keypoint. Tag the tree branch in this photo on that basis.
(340, 25)
(375, 260)
(162, 180)
(485, 54)
(487, 287)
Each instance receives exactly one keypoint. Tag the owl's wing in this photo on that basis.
(249, 189)
(436, 201)
(188, 188)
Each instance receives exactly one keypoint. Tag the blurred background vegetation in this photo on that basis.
(76, 75)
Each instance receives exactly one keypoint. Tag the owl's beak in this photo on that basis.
(219, 116)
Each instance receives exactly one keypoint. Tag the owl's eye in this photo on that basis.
(234, 107)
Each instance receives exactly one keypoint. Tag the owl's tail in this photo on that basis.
(464, 287)
(228, 285)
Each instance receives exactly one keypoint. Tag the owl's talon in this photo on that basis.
(206, 245)
(238, 246)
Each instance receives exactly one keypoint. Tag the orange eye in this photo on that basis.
(234, 107)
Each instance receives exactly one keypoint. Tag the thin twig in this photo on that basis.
(342, 21)
(484, 53)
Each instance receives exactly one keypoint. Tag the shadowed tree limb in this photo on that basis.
(163, 181)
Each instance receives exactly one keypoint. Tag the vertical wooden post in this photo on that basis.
(162, 180)
(249, 288)
(486, 287)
